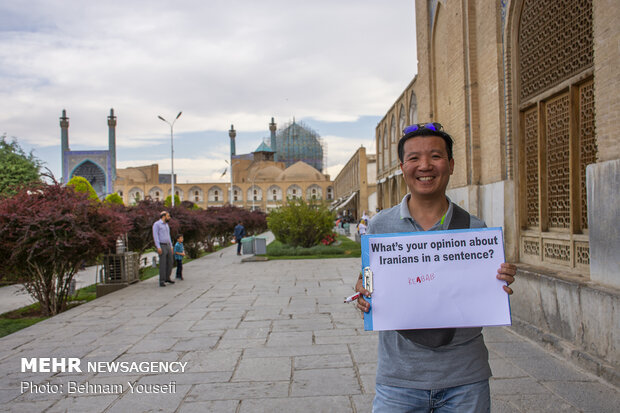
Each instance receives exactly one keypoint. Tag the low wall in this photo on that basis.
(576, 318)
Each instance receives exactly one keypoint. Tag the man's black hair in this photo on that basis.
(425, 132)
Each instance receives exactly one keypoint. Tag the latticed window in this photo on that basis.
(557, 133)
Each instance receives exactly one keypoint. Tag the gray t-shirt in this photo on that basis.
(403, 363)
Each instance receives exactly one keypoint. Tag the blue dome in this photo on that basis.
(297, 142)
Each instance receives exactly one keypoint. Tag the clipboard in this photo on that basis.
(451, 284)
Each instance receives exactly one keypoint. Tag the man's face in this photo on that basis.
(167, 218)
(426, 167)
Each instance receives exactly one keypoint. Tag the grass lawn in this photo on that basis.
(343, 248)
(15, 320)
(21, 318)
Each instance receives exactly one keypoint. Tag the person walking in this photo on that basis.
(161, 237)
(179, 253)
(239, 234)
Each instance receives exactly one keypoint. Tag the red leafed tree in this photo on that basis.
(193, 226)
(46, 232)
(142, 216)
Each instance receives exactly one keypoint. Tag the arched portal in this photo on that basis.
(94, 174)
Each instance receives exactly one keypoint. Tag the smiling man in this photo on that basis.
(432, 370)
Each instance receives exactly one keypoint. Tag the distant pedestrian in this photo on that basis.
(179, 253)
(161, 236)
(361, 227)
(239, 234)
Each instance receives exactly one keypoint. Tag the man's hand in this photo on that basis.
(362, 304)
(507, 272)
(159, 251)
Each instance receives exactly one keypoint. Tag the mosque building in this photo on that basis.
(261, 180)
(98, 167)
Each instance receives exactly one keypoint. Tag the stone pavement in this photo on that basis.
(258, 337)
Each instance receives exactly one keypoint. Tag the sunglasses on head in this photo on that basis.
(434, 126)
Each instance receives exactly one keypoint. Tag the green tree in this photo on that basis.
(16, 167)
(168, 201)
(300, 223)
(81, 184)
(114, 198)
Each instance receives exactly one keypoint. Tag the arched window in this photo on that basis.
(255, 193)
(379, 153)
(135, 195)
(386, 153)
(314, 192)
(402, 123)
(156, 193)
(214, 194)
(274, 193)
(293, 192)
(413, 109)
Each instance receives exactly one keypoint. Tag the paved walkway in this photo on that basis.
(258, 337)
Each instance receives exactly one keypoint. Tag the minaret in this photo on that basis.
(232, 133)
(64, 143)
(112, 146)
(272, 128)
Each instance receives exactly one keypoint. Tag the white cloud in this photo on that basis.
(220, 62)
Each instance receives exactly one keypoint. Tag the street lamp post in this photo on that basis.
(232, 133)
(171, 153)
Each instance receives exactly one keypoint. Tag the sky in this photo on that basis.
(337, 66)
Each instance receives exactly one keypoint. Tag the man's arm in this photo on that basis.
(156, 237)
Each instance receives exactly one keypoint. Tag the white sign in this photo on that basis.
(436, 279)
